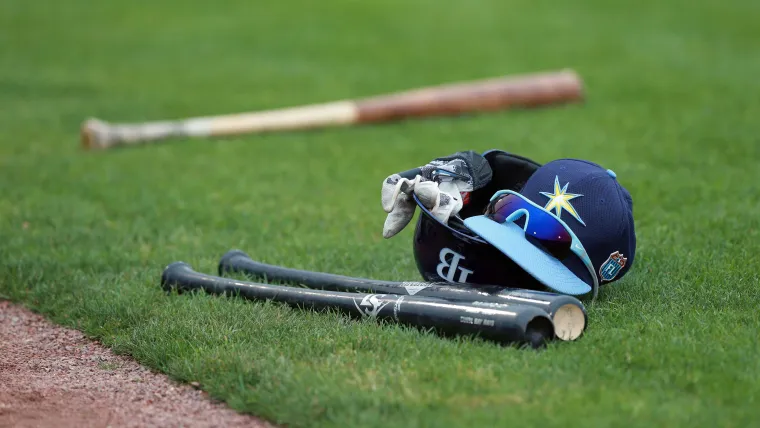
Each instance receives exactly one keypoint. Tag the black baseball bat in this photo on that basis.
(523, 325)
(566, 312)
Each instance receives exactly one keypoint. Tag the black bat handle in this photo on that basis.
(410, 174)
(182, 277)
(239, 262)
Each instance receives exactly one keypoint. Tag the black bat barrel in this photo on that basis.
(567, 312)
(519, 325)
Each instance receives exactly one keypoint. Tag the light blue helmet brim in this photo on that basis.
(509, 238)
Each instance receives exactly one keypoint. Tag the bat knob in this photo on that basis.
(229, 255)
(94, 134)
(170, 274)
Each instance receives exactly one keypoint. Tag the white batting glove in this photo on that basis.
(398, 202)
(439, 186)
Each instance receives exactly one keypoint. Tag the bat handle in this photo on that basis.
(98, 134)
(410, 174)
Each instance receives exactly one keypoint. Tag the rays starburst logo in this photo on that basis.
(560, 200)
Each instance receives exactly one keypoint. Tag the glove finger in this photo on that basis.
(451, 188)
(390, 191)
(427, 192)
(456, 192)
(401, 214)
(395, 185)
(446, 207)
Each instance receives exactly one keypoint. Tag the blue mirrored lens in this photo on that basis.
(542, 228)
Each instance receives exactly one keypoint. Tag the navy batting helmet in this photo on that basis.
(453, 253)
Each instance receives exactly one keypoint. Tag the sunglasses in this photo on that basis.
(542, 228)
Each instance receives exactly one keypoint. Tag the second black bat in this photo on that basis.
(566, 312)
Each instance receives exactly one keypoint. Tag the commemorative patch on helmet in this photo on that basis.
(610, 268)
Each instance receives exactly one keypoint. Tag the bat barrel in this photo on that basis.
(523, 91)
(519, 324)
(566, 312)
(523, 324)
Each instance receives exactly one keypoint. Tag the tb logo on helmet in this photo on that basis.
(452, 266)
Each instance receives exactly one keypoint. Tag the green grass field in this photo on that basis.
(672, 107)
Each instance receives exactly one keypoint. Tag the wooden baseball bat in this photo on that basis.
(509, 92)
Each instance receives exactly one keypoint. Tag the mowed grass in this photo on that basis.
(672, 106)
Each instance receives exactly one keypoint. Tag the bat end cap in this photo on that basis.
(92, 134)
(569, 322)
(229, 255)
(166, 276)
